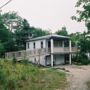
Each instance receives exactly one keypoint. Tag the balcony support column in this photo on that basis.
(52, 52)
(63, 44)
(70, 49)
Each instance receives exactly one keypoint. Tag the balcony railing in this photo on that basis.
(27, 53)
(64, 50)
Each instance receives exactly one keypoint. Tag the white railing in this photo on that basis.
(64, 49)
(27, 53)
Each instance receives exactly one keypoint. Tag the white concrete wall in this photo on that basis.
(41, 58)
(37, 44)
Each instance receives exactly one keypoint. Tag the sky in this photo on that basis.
(46, 14)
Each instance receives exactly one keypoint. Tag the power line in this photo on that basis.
(5, 4)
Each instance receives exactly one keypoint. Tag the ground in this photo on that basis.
(77, 76)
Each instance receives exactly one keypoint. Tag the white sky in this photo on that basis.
(46, 14)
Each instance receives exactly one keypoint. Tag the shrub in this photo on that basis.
(80, 58)
(10, 85)
(14, 60)
(2, 77)
(24, 61)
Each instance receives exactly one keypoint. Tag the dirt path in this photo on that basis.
(77, 77)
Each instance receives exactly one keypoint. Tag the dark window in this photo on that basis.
(28, 45)
(57, 43)
(66, 43)
(41, 44)
(49, 44)
(34, 45)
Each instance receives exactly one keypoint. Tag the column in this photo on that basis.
(63, 44)
(52, 52)
(70, 49)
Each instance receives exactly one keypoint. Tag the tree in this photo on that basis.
(6, 38)
(12, 21)
(84, 16)
(22, 35)
(63, 31)
(2, 49)
(83, 13)
(37, 32)
(15, 31)
(75, 38)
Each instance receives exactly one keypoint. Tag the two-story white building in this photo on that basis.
(50, 50)
(47, 50)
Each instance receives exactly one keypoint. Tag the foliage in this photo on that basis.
(75, 38)
(12, 18)
(88, 84)
(83, 12)
(2, 49)
(28, 77)
(14, 38)
(80, 58)
(63, 31)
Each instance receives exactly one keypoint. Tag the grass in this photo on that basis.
(88, 85)
(21, 76)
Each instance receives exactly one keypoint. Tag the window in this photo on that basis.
(28, 45)
(41, 44)
(34, 45)
(57, 43)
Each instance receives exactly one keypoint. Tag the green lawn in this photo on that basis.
(22, 76)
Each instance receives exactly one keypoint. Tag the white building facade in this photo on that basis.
(50, 50)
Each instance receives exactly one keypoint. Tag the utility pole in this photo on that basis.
(5, 4)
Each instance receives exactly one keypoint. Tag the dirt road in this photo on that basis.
(77, 77)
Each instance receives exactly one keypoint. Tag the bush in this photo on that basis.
(14, 60)
(84, 61)
(81, 58)
(24, 61)
(2, 77)
(10, 85)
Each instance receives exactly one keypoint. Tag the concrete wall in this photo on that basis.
(38, 60)
(37, 44)
(58, 60)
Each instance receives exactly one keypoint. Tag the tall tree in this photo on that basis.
(83, 13)
(23, 34)
(12, 21)
(84, 16)
(63, 31)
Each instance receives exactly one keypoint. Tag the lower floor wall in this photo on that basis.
(38, 60)
(58, 59)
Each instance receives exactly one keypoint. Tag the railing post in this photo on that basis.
(70, 49)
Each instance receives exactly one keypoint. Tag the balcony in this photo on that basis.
(64, 50)
(35, 52)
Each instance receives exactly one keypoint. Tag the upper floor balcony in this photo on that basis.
(43, 51)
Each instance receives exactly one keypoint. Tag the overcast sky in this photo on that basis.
(46, 14)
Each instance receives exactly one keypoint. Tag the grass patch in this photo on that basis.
(88, 85)
(21, 76)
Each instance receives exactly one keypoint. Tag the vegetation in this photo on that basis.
(20, 76)
(13, 38)
(63, 31)
(83, 39)
(88, 85)
(83, 12)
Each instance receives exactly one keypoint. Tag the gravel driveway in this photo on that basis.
(77, 77)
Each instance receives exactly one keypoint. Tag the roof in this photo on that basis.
(49, 37)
